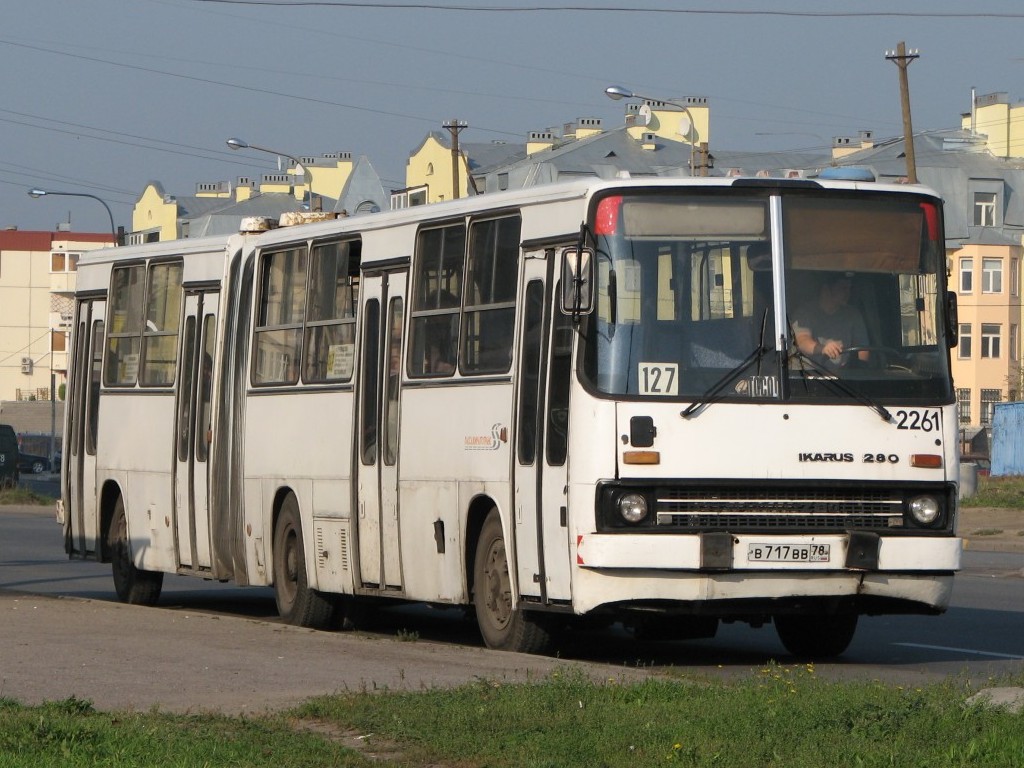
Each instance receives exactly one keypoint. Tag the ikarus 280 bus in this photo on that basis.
(667, 402)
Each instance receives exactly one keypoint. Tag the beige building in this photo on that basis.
(999, 122)
(37, 279)
(655, 135)
(334, 182)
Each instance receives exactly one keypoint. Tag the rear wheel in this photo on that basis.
(296, 601)
(133, 585)
(502, 626)
(816, 636)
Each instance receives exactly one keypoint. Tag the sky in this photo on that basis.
(101, 97)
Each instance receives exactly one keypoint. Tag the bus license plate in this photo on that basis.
(788, 553)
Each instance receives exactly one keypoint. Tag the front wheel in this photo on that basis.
(503, 627)
(297, 603)
(133, 585)
(816, 636)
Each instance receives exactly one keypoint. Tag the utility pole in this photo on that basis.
(902, 60)
(455, 127)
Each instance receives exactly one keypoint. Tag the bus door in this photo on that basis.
(194, 429)
(542, 406)
(377, 525)
(79, 456)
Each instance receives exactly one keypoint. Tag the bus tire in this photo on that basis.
(297, 603)
(503, 627)
(133, 585)
(816, 636)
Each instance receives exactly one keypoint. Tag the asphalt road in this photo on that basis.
(210, 646)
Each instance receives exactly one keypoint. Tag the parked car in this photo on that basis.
(34, 464)
(983, 462)
(8, 456)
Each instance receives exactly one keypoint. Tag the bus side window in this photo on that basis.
(160, 333)
(330, 312)
(124, 340)
(488, 320)
(436, 300)
(279, 317)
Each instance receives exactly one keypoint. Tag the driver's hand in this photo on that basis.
(832, 349)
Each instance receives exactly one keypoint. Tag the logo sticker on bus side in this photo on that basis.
(658, 379)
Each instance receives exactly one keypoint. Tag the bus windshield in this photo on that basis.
(691, 297)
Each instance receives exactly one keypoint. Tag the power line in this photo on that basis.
(619, 9)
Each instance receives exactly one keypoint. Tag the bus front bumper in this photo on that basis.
(914, 571)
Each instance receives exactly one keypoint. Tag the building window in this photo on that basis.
(966, 275)
(989, 398)
(1014, 277)
(963, 405)
(990, 340)
(1014, 341)
(984, 209)
(991, 275)
(64, 262)
(58, 341)
(964, 347)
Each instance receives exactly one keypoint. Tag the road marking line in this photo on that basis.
(962, 650)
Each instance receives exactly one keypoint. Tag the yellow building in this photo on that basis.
(37, 280)
(320, 184)
(999, 122)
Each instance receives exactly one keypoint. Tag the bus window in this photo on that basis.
(279, 317)
(489, 316)
(330, 312)
(559, 381)
(396, 315)
(127, 294)
(160, 334)
(205, 400)
(368, 415)
(529, 379)
(185, 394)
(437, 297)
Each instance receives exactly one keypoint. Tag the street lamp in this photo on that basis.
(299, 167)
(617, 92)
(37, 193)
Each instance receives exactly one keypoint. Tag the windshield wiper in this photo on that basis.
(709, 397)
(838, 385)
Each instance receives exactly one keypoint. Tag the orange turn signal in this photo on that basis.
(641, 457)
(926, 460)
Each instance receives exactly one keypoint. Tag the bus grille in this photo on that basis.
(778, 509)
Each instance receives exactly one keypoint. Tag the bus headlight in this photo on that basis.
(924, 509)
(632, 507)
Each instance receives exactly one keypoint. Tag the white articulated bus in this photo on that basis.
(665, 402)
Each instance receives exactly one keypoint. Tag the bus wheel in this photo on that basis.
(296, 602)
(502, 626)
(816, 636)
(133, 585)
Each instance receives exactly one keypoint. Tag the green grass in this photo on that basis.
(70, 734)
(778, 716)
(998, 492)
(782, 716)
(23, 496)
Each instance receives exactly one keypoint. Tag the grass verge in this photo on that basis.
(23, 496)
(780, 716)
(997, 492)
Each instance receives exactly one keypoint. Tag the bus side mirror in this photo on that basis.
(577, 296)
(952, 320)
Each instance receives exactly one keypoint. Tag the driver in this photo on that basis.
(827, 326)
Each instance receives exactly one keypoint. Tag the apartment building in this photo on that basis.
(37, 279)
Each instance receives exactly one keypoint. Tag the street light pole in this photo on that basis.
(617, 92)
(37, 193)
(235, 143)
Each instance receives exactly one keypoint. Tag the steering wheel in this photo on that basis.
(881, 358)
